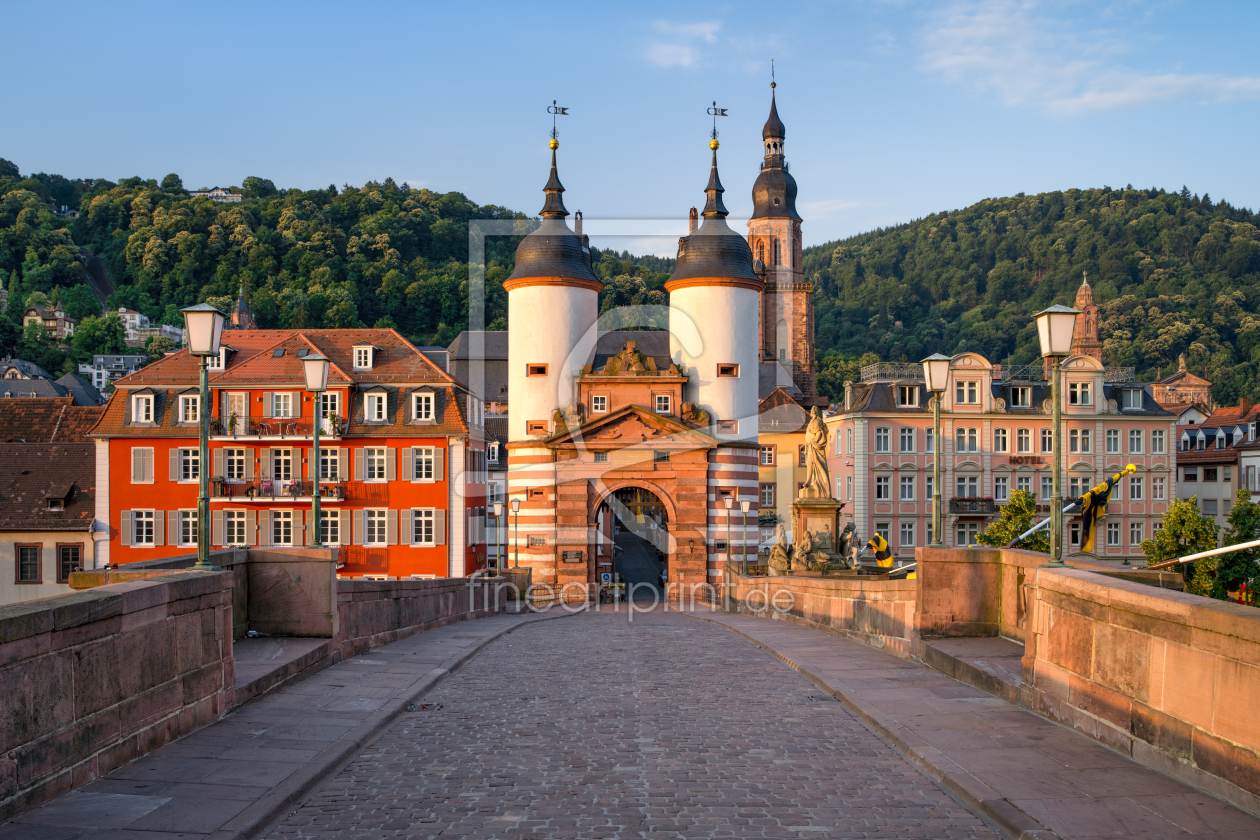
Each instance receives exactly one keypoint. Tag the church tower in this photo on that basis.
(1085, 339)
(774, 234)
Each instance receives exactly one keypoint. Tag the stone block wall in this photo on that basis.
(372, 613)
(874, 611)
(93, 679)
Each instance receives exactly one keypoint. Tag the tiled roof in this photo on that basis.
(496, 345)
(1229, 416)
(654, 343)
(1210, 455)
(881, 397)
(1149, 408)
(31, 473)
(27, 388)
(26, 368)
(771, 375)
(781, 413)
(47, 420)
(84, 392)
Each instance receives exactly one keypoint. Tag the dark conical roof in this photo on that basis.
(774, 128)
(713, 249)
(553, 249)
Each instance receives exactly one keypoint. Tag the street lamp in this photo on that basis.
(936, 373)
(315, 369)
(204, 325)
(1055, 327)
(498, 526)
(744, 505)
(516, 536)
(729, 501)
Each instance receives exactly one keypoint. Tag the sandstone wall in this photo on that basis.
(376, 612)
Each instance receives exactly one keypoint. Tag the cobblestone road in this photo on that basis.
(598, 727)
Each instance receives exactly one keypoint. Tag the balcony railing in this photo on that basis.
(1118, 374)
(972, 506)
(892, 370)
(1031, 372)
(273, 427)
(276, 490)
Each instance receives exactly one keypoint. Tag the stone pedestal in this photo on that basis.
(816, 516)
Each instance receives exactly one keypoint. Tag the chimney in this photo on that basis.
(577, 223)
(1244, 405)
(693, 221)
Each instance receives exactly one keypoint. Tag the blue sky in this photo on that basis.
(894, 109)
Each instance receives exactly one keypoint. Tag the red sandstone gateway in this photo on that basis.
(402, 467)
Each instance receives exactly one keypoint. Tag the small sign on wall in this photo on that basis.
(571, 557)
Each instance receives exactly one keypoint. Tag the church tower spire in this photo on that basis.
(774, 234)
(1085, 339)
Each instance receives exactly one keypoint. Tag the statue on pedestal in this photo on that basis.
(817, 483)
(780, 553)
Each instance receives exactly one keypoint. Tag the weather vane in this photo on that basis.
(772, 74)
(556, 111)
(716, 112)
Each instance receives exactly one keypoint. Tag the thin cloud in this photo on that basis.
(681, 44)
(1010, 49)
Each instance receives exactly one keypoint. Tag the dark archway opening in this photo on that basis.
(636, 522)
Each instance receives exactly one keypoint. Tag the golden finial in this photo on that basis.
(713, 144)
(554, 144)
(715, 112)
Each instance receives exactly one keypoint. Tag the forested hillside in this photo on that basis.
(1172, 273)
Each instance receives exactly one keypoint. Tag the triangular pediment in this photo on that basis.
(633, 425)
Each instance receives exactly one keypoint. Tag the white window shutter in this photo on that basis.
(124, 526)
(172, 527)
(439, 527)
(360, 527)
(264, 458)
(251, 527)
(409, 522)
(409, 463)
(267, 407)
(218, 464)
(439, 464)
(391, 464)
(391, 527)
(343, 527)
(137, 464)
(148, 464)
(359, 470)
(343, 464)
(159, 537)
(249, 464)
(216, 527)
(174, 464)
(264, 527)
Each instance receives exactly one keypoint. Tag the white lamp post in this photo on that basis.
(1055, 327)
(729, 501)
(744, 505)
(498, 543)
(516, 538)
(204, 325)
(315, 369)
(936, 373)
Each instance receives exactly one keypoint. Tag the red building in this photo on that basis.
(402, 468)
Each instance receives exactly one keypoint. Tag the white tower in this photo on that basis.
(713, 287)
(553, 302)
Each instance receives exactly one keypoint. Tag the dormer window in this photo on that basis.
(363, 357)
(422, 406)
(966, 392)
(188, 409)
(907, 396)
(142, 409)
(1130, 398)
(1078, 393)
(374, 409)
(1021, 397)
(56, 504)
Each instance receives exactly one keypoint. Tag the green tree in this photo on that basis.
(258, 187)
(173, 183)
(1239, 567)
(9, 333)
(79, 302)
(158, 346)
(1185, 531)
(36, 345)
(9, 169)
(103, 334)
(1018, 515)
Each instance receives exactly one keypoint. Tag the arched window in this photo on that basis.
(761, 251)
(778, 252)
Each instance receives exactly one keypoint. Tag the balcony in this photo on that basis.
(973, 506)
(267, 490)
(274, 428)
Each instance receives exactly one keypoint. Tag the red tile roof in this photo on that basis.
(46, 420)
(31, 473)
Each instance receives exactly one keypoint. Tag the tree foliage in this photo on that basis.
(1239, 567)
(1185, 531)
(1018, 515)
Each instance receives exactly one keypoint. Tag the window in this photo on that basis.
(281, 405)
(1157, 489)
(1047, 440)
(907, 488)
(1078, 393)
(1224, 473)
(329, 464)
(1047, 488)
(1113, 533)
(1113, 441)
(848, 487)
(1209, 473)
(535, 370)
(188, 527)
(660, 457)
(1135, 533)
(142, 409)
(422, 406)
(881, 528)
(374, 464)
(142, 527)
(423, 459)
(69, 559)
(492, 452)
(908, 395)
(1202, 442)
(1021, 397)
(778, 252)
(282, 464)
(1085, 441)
(376, 527)
(881, 439)
(362, 358)
(800, 455)
(1023, 440)
(907, 535)
(330, 527)
(536, 427)
(1135, 488)
(965, 534)
(189, 464)
(929, 441)
(375, 411)
(848, 441)
(1074, 534)
(1209, 507)
(599, 405)
(967, 440)
(188, 409)
(422, 526)
(1130, 398)
(234, 464)
(966, 391)
(234, 527)
(999, 440)
(767, 495)
(329, 404)
(728, 427)
(1023, 483)
(282, 527)
(968, 486)
(907, 439)
(1001, 488)
(929, 486)
(767, 456)
(537, 541)
(882, 483)
(1190, 475)
(728, 370)
(1075, 487)
(663, 403)
(601, 457)
(29, 564)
